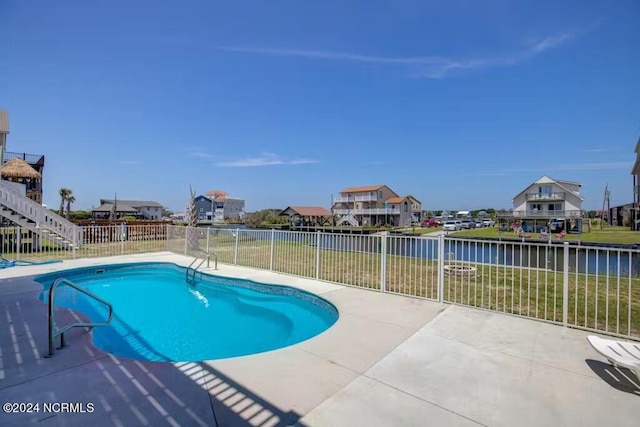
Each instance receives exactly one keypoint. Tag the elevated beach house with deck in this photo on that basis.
(375, 205)
(547, 202)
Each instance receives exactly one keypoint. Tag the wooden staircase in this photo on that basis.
(26, 213)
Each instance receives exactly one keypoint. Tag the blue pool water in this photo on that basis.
(159, 317)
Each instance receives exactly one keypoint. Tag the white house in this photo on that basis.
(549, 198)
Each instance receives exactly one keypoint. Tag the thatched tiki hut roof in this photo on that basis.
(18, 168)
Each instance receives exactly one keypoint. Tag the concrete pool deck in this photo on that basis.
(389, 360)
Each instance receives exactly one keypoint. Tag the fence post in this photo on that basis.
(74, 241)
(122, 237)
(440, 257)
(383, 262)
(235, 251)
(565, 285)
(18, 241)
(186, 238)
(319, 235)
(208, 232)
(166, 236)
(273, 238)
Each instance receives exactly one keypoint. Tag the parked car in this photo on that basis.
(479, 224)
(431, 222)
(489, 223)
(451, 226)
(467, 224)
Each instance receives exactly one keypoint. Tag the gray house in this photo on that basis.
(206, 208)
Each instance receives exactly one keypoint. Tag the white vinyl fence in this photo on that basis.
(589, 287)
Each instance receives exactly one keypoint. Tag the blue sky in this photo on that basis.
(462, 104)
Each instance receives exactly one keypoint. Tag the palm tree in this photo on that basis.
(192, 222)
(70, 199)
(64, 194)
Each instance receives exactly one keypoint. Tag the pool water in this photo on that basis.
(160, 317)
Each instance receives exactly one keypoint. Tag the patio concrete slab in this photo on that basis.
(369, 403)
(496, 388)
(515, 336)
(290, 379)
(112, 391)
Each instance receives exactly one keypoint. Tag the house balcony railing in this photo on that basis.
(545, 196)
(32, 159)
(343, 200)
(368, 198)
(351, 199)
(541, 213)
(370, 211)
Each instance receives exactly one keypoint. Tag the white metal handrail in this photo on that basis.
(190, 268)
(37, 213)
(52, 322)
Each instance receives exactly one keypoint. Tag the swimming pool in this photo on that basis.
(159, 317)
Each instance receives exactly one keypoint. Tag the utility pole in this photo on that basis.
(607, 206)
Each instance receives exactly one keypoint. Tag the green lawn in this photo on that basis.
(614, 235)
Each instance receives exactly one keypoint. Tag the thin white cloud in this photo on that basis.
(594, 150)
(201, 154)
(428, 66)
(552, 42)
(129, 162)
(266, 159)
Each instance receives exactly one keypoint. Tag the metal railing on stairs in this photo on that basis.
(21, 210)
(190, 274)
(52, 322)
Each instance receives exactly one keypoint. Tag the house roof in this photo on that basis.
(18, 168)
(562, 181)
(218, 194)
(133, 203)
(363, 189)
(414, 198)
(395, 199)
(308, 211)
(556, 181)
(120, 207)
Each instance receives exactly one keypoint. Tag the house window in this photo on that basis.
(545, 190)
(380, 194)
(406, 207)
(201, 210)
